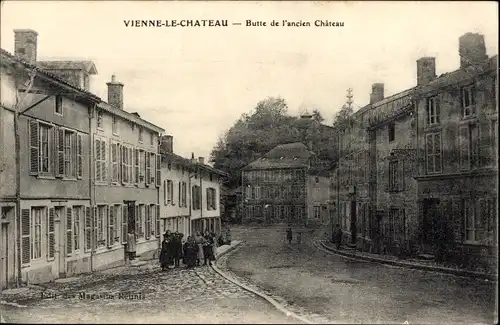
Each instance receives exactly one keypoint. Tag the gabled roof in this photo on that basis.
(87, 66)
(47, 74)
(290, 155)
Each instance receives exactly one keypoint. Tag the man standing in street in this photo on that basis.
(337, 236)
(289, 235)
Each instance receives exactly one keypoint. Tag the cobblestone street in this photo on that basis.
(142, 294)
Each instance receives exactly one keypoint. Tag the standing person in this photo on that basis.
(299, 237)
(164, 251)
(177, 248)
(131, 244)
(208, 251)
(190, 252)
(337, 236)
(228, 236)
(198, 238)
(289, 235)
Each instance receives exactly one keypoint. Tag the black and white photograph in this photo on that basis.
(249, 162)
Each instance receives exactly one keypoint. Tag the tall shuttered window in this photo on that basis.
(51, 240)
(100, 157)
(469, 146)
(37, 215)
(88, 229)
(433, 152)
(102, 215)
(78, 214)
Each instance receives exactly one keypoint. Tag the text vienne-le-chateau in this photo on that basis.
(225, 23)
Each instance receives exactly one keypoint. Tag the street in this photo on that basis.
(145, 295)
(349, 291)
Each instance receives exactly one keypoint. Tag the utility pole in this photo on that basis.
(349, 98)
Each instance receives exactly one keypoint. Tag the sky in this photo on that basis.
(195, 82)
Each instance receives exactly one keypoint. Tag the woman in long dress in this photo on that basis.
(199, 240)
(164, 258)
(190, 252)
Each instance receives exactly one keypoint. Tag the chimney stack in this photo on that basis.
(167, 144)
(193, 159)
(426, 70)
(201, 160)
(25, 42)
(472, 49)
(115, 93)
(377, 93)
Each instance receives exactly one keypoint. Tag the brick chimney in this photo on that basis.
(377, 93)
(115, 93)
(426, 70)
(25, 42)
(201, 160)
(193, 159)
(472, 49)
(167, 144)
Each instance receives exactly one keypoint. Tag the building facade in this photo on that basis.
(70, 191)
(457, 130)
(285, 186)
(126, 180)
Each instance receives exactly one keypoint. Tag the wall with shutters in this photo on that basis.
(54, 242)
(206, 183)
(7, 157)
(51, 185)
(175, 174)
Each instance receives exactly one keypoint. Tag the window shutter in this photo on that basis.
(179, 193)
(69, 227)
(60, 152)
(131, 165)
(138, 221)
(438, 109)
(50, 234)
(124, 224)
(79, 158)
(463, 138)
(95, 228)
(97, 157)
(137, 174)
(158, 170)
(111, 216)
(103, 164)
(148, 217)
(88, 229)
(25, 236)
(34, 147)
(147, 179)
(157, 230)
(123, 165)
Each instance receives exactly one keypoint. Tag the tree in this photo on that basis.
(317, 116)
(343, 116)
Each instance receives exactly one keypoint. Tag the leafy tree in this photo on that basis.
(343, 116)
(317, 116)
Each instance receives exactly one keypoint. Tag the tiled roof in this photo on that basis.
(53, 77)
(172, 157)
(290, 155)
(87, 66)
(129, 116)
(460, 75)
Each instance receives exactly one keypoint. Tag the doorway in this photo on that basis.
(6, 264)
(60, 227)
(131, 215)
(430, 219)
(353, 222)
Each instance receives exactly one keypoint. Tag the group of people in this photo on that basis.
(289, 236)
(197, 248)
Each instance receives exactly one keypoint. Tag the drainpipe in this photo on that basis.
(17, 144)
(201, 197)
(91, 186)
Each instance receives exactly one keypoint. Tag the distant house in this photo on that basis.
(289, 184)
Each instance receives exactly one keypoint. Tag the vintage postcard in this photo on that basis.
(330, 162)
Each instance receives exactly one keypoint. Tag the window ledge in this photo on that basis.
(69, 179)
(433, 127)
(467, 119)
(45, 177)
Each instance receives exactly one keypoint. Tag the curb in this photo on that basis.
(270, 300)
(438, 269)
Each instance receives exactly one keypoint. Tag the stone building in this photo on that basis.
(457, 139)
(289, 184)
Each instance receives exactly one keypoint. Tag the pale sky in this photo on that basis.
(195, 82)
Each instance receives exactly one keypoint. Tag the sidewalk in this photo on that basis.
(408, 263)
(224, 249)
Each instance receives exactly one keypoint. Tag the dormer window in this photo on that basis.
(59, 107)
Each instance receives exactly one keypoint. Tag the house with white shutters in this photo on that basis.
(126, 180)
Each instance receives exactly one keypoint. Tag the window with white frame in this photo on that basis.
(168, 191)
(184, 194)
(152, 165)
(137, 169)
(100, 160)
(113, 224)
(211, 199)
(433, 152)
(115, 147)
(45, 148)
(432, 110)
(140, 220)
(37, 215)
(102, 215)
(468, 101)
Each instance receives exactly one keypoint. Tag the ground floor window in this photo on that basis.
(37, 215)
(102, 213)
